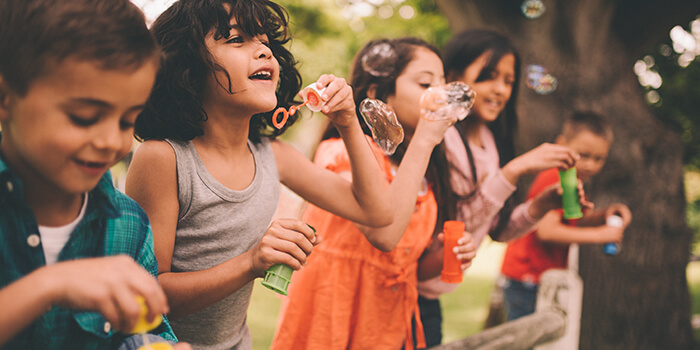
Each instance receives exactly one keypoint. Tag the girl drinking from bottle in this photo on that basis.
(209, 173)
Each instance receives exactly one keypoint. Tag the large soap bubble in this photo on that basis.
(539, 80)
(387, 132)
(445, 102)
(380, 60)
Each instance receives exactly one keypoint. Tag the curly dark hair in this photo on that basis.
(174, 109)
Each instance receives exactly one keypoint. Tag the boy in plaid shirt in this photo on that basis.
(74, 252)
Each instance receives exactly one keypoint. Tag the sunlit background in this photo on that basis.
(326, 33)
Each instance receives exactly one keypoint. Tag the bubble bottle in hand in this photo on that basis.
(451, 266)
(143, 326)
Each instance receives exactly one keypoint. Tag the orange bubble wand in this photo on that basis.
(312, 98)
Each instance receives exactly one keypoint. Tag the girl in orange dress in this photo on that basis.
(358, 289)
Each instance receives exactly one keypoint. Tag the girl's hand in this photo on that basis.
(339, 105)
(465, 249)
(543, 157)
(287, 241)
(432, 131)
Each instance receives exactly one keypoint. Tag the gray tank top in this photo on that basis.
(216, 224)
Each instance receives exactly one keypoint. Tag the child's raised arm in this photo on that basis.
(404, 189)
(361, 200)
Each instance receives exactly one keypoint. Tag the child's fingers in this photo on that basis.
(129, 308)
(324, 80)
(110, 311)
(337, 98)
(182, 346)
(297, 226)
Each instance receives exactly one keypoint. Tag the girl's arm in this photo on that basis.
(543, 157)
(364, 199)
(403, 190)
(152, 182)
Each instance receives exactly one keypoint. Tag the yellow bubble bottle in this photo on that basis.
(143, 326)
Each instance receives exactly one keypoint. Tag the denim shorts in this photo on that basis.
(519, 298)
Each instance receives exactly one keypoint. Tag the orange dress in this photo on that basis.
(351, 295)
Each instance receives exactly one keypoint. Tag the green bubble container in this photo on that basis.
(278, 278)
(569, 197)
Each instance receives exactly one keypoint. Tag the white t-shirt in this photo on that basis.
(54, 238)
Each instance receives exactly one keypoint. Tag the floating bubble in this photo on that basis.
(387, 132)
(380, 60)
(446, 102)
(532, 8)
(539, 80)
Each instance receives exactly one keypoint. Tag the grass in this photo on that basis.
(464, 310)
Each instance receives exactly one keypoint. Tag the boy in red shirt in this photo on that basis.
(547, 247)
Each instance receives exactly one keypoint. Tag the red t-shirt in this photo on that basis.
(527, 257)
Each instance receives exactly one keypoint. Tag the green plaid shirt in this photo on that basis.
(113, 224)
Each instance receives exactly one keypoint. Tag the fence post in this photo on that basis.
(547, 325)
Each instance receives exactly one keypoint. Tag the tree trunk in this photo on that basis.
(638, 299)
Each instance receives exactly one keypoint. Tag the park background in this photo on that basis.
(635, 61)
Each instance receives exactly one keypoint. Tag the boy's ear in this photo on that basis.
(372, 91)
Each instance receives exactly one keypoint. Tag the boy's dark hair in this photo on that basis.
(37, 35)
(174, 109)
(460, 52)
(587, 121)
(384, 86)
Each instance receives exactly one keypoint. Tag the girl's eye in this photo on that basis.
(80, 121)
(237, 39)
(424, 86)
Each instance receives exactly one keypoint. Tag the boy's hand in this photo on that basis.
(620, 210)
(108, 285)
(339, 104)
(550, 198)
(287, 241)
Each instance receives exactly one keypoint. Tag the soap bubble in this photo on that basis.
(450, 101)
(380, 60)
(387, 132)
(532, 8)
(539, 80)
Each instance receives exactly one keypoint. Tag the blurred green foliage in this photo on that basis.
(324, 41)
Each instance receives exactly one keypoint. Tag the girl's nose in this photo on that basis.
(263, 51)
